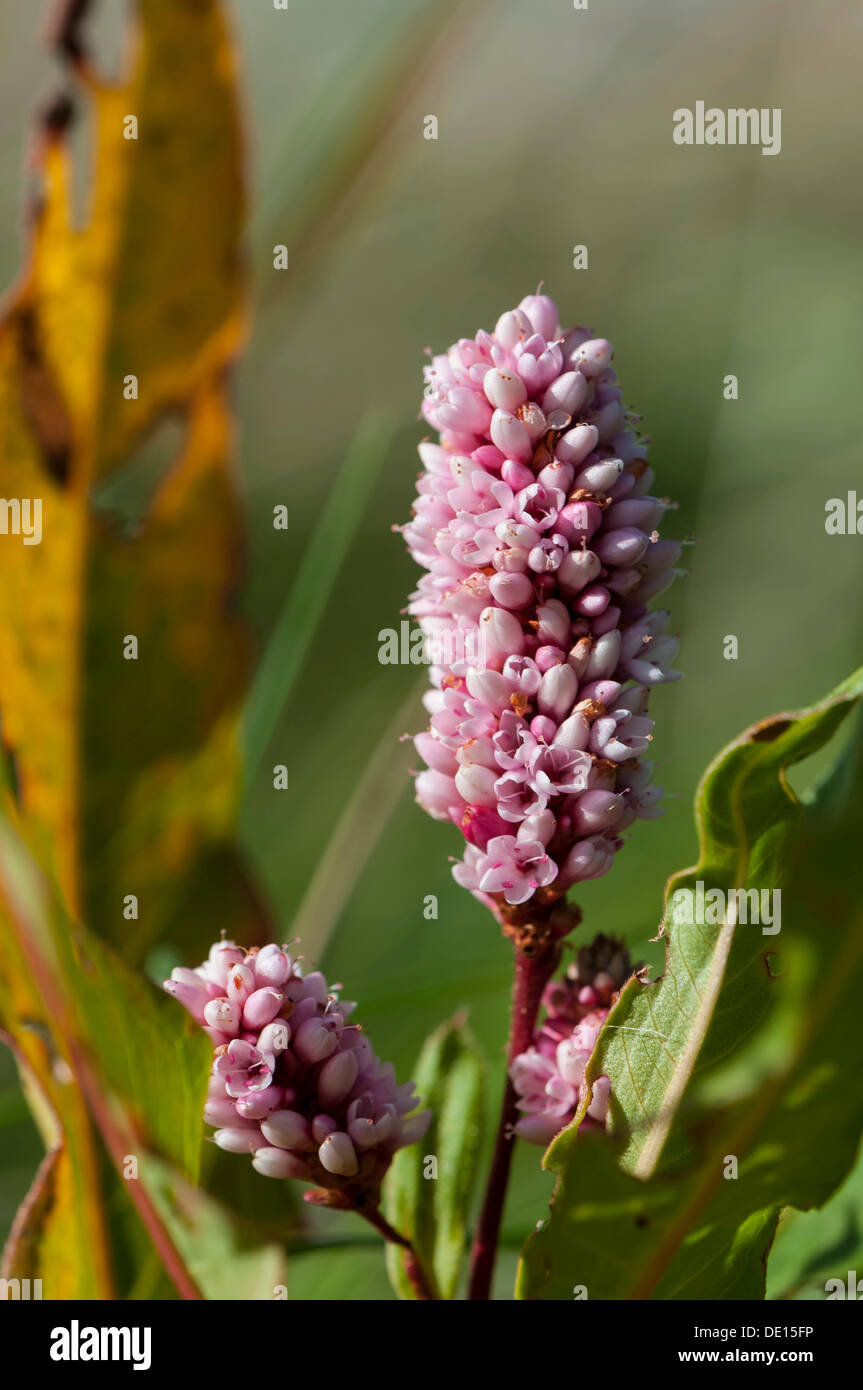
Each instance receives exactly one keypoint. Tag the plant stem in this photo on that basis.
(410, 1260)
(532, 974)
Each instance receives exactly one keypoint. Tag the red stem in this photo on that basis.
(410, 1261)
(532, 974)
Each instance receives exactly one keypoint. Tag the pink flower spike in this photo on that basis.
(549, 1077)
(536, 534)
(301, 1090)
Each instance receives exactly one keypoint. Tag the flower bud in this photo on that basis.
(287, 1129)
(577, 443)
(338, 1155)
(261, 1007)
(504, 390)
(511, 436)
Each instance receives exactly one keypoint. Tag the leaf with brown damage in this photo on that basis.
(121, 329)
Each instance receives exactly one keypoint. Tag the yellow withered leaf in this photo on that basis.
(123, 662)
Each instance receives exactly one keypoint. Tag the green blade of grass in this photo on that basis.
(357, 831)
(310, 592)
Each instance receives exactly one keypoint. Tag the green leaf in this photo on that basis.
(223, 1258)
(814, 1246)
(339, 1274)
(744, 1048)
(434, 1211)
(109, 1042)
(150, 1059)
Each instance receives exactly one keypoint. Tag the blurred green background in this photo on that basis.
(554, 130)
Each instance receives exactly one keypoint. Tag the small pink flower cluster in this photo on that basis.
(549, 1077)
(535, 527)
(293, 1083)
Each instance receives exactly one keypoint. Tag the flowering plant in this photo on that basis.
(537, 531)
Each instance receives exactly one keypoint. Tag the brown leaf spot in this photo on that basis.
(65, 32)
(774, 965)
(42, 404)
(768, 730)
